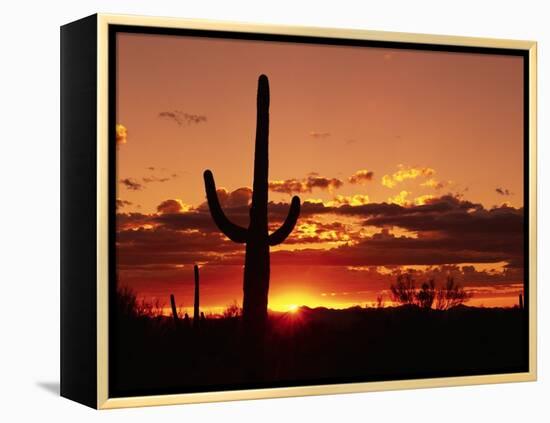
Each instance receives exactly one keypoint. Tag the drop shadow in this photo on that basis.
(51, 387)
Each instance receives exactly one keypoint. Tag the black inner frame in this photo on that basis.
(113, 30)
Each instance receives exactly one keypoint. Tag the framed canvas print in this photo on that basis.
(255, 211)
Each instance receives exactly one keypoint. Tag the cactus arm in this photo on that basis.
(286, 228)
(234, 232)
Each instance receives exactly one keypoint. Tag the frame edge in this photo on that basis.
(103, 400)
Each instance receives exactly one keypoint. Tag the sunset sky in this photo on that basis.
(403, 159)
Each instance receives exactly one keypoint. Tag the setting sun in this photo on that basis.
(292, 308)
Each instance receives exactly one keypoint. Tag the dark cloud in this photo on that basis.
(122, 203)
(237, 198)
(444, 231)
(387, 249)
(131, 184)
(453, 217)
(132, 220)
(503, 191)
(160, 245)
(361, 176)
(183, 118)
(162, 175)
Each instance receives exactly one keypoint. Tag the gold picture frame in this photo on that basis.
(100, 25)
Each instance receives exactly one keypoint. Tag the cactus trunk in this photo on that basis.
(256, 264)
(256, 236)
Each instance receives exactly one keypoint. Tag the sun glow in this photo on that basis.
(293, 308)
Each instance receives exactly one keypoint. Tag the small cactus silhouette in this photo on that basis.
(521, 301)
(174, 310)
(196, 306)
(256, 236)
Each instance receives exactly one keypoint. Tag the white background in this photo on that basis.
(29, 271)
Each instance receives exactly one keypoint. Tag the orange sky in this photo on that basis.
(404, 157)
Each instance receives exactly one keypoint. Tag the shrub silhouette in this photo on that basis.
(451, 295)
(425, 296)
(128, 307)
(404, 292)
(126, 302)
(232, 310)
(256, 236)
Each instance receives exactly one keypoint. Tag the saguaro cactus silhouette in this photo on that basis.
(256, 236)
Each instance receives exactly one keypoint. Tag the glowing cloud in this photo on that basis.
(433, 183)
(405, 173)
(172, 206)
(400, 199)
(121, 134)
(423, 199)
(352, 200)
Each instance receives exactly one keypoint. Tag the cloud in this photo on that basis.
(361, 176)
(352, 200)
(319, 135)
(337, 247)
(122, 203)
(459, 221)
(165, 175)
(387, 249)
(503, 191)
(165, 246)
(231, 199)
(290, 186)
(423, 199)
(405, 173)
(433, 183)
(134, 185)
(440, 231)
(400, 199)
(121, 134)
(172, 206)
(132, 220)
(131, 184)
(312, 232)
(149, 179)
(183, 118)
